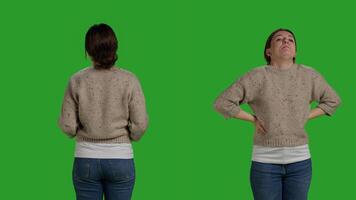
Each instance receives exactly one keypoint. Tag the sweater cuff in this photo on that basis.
(232, 113)
(327, 109)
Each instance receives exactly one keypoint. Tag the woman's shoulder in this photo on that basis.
(125, 72)
(258, 69)
(79, 74)
(115, 69)
(256, 72)
(89, 72)
(308, 70)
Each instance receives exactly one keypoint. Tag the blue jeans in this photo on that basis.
(113, 178)
(281, 181)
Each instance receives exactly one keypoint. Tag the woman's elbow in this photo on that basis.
(218, 106)
(137, 131)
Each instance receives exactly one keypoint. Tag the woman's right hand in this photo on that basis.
(259, 125)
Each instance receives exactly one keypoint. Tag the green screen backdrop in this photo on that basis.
(185, 53)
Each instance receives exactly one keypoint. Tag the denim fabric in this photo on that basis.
(94, 178)
(281, 181)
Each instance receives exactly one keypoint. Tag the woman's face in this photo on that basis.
(282, 46)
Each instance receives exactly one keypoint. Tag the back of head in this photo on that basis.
(101, 46)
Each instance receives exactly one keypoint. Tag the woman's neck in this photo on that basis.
(282, 64)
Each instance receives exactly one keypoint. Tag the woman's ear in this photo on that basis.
(268, 52)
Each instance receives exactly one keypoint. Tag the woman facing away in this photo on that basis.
(104, 110)
(279, 94)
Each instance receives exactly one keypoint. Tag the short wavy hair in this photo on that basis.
(101, 45)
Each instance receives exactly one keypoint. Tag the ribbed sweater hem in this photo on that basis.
(281, 142)
(120, 139)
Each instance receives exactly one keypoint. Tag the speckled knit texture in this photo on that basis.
(281, 99)
(103, 106)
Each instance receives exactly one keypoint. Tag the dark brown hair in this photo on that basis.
(269, 40)
(101, 46)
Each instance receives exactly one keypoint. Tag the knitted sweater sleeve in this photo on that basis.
(241, 91)
(68, 120)
(138, 119)
(324, 94)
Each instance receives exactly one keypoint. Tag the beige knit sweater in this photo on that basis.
(103, 106)
(281, 99)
